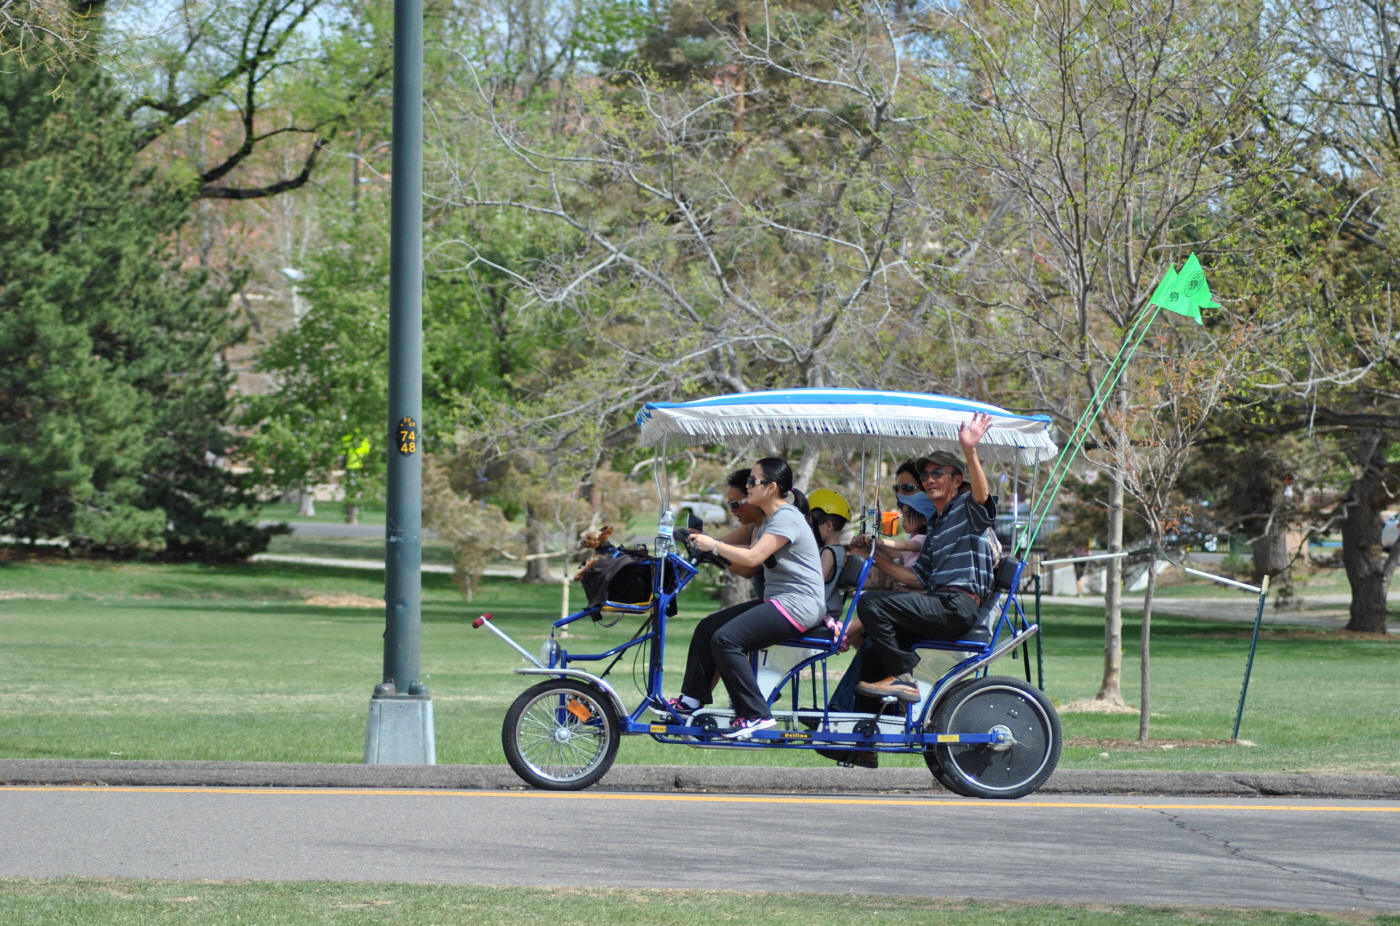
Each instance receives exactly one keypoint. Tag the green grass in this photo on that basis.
(1178, 585)
(435, 552)
(111, 902)
(1318, 702)
(151, 661)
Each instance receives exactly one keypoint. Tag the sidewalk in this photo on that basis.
(745, 779)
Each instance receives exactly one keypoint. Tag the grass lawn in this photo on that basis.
(435, 552)
(84, 901)
(150, 661)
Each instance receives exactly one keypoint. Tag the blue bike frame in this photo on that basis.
(865, 731)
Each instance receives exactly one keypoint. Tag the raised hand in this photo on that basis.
(971, 432)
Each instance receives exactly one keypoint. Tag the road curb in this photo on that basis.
(748, 779)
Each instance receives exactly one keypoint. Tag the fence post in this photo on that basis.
(1040, 632)
(1249, 664)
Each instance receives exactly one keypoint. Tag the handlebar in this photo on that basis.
(683, 534)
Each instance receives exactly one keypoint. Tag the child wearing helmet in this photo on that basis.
(830, 513)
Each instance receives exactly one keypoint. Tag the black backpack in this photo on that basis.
(625, 578)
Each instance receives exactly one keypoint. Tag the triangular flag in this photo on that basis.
(1160, 296)
(1169, 296)
(1194, 287)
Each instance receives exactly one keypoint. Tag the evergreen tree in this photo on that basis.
(113, 399)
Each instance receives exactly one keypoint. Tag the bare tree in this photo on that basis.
(1341, 382)
(1191, 373)
(478, 532)
(47, 32)
(1079, 146)
(701, 245)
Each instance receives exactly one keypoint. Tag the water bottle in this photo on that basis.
(665, 534)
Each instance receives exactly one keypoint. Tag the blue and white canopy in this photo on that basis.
(902, 422)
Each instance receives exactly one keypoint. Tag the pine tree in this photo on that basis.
(112, 398)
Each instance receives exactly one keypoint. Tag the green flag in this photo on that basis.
(1194, 286)
(1161, 295)
(1169, 295)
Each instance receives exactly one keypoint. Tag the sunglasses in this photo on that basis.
(736, 505)
(757, 482)
(906, 488)
(937, 473)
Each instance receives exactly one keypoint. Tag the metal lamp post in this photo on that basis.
(401, 710)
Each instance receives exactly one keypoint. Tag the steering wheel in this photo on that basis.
(698, 556)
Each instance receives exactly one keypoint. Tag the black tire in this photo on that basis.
(1001, 772)
(940, 775)
(561, 735)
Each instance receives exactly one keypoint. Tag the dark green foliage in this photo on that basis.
(112, 395)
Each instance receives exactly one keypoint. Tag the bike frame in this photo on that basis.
(866, 730)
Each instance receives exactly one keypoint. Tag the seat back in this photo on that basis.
(849, 576)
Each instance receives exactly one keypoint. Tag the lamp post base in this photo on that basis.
(400, 732)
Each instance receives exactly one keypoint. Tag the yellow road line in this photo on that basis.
(704, 798)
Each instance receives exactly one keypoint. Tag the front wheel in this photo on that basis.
(561, 735)
(1002, 770)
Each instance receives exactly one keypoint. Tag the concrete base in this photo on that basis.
(400, 732)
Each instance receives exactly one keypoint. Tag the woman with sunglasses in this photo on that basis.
(795, 601)
(907, 479)
(737, 501)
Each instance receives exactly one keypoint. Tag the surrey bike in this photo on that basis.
(981, 735)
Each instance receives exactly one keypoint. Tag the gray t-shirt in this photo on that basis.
(794, 580)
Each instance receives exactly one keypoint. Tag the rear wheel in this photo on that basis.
(949, 782)
(1001, 770)
(561, 735)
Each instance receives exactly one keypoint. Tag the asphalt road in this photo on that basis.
(1290, 854)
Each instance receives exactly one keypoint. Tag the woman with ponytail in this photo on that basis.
(794, 601)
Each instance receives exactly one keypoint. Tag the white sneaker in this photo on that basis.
(745, 727)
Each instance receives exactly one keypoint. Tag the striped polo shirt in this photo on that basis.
(956, 552)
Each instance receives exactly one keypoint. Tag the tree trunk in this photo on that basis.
(1271, 552)
(1111, 690)
(306, 502)
(352, 516)
(536, 570)
(1145, 702)
(806, 469)
(1361, 534)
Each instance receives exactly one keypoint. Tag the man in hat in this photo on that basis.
(953, 575)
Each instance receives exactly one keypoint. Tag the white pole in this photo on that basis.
(564, 608)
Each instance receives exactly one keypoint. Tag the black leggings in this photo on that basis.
(723, 642)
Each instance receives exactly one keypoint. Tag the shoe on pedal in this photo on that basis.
(675, 708)
(902, 687)
(865, 759)
(746, 727)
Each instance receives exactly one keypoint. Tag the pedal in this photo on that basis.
(845, 763)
